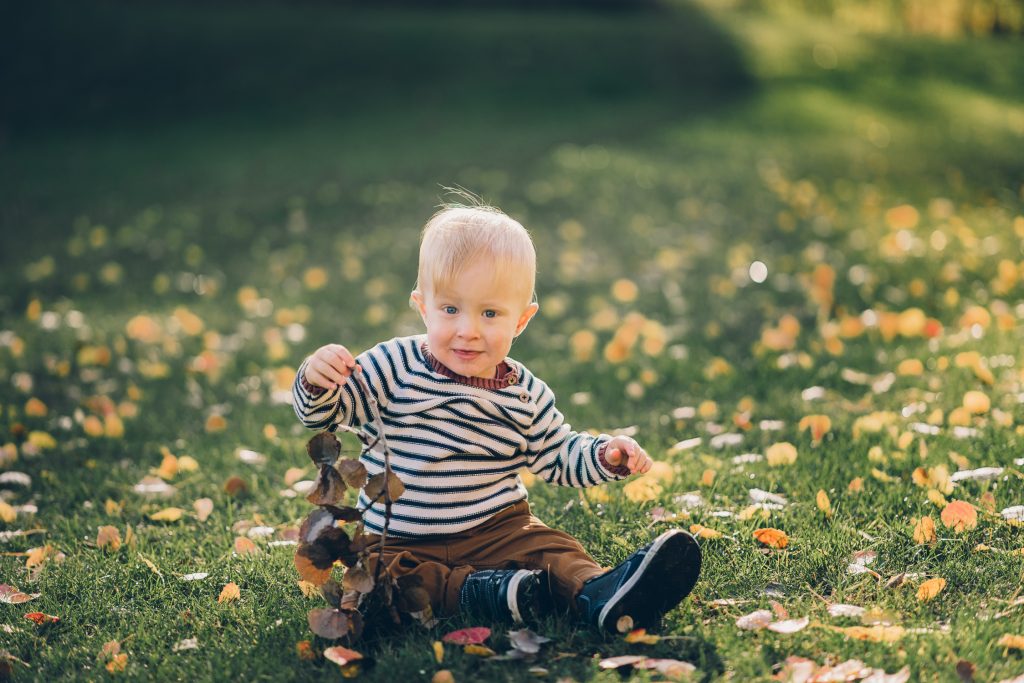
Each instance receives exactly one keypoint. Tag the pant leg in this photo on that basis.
(427, 559)
(516, 539)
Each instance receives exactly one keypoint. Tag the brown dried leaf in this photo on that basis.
(353, 472)
(235, 485)
(329, 623)
(230, 592)
(329, 488)
(108, 538)
(323, 449)
(245, 546)
(357, 580)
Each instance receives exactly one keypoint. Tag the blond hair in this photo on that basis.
(456, 236)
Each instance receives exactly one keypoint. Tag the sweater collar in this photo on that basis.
(506, 374)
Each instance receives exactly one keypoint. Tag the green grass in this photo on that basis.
(668, 148)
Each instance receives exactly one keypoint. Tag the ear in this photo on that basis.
(417, 300)
(525, 318)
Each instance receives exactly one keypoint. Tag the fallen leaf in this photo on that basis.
(930, 588)
(330, 623)
(478, 650)
(230, 592)
(13, 596)
(527, 641)
(873, 634)
(442, 676)
(959, 516)
(41, 618)
(823, 503)
(304, 650)
(789, 625)
(841, 610)
(818, 424)
(438, 648)
(171, 514)
(203, 508)
(235, 485)
(773, 538)
(117, 663)
(7, 513)
(108, 537)
(620, 661)
(1009, 641)
(641, 635)
(244, 546)
(755, 620)
(704, 532)
(186, 644)
(924, 531)
(341, 655)
(782, 453)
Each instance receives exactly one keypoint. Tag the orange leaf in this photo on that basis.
(960, 516)
(924, 531)
(640, 635)
(704, 532)
(230, 592)
(108, 537)
(117, 663)
(773, 538)
(1011, 642)
(341, 655)
(818, 424)
(244, 546)
(41, 618)
(930, 588)
(824, 504)
(304, 650)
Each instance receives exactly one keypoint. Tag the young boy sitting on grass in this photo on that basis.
(461, 418)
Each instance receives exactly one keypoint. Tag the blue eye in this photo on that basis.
(490, 314)
(450, 310)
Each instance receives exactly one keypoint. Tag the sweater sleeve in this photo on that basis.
(347, 404)
(562, 456)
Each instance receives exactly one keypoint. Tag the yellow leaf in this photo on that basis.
(438, 651)
(873, 634)
(937, 499)
(704, 532)
(856, 485)
(7, 513)
(187, 463)
(168, 466)
(478, 650)
(642, 489)
(1011, 642)
(309, 589)
(976, 402)
(924, 531)
(230, 592)
(112, 507)
(959, 516)
(824, 504)
(883, 476)
(113, 427)
(773, 538)
(641, 635)
(167, 515)
(782, 453)
(930, 588)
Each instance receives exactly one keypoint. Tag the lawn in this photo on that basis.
(760, 235)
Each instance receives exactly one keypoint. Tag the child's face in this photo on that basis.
(472, 321)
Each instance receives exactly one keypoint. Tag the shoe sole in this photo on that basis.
(666, 575)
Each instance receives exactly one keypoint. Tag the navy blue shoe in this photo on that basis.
(645, 586)
(516, 595)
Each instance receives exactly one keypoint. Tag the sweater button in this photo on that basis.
(524, 397)
(511, 378)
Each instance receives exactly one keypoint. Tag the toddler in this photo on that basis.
(460, 418)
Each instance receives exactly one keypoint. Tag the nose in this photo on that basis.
(468, 327)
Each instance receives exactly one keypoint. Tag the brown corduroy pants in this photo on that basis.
(511, 539)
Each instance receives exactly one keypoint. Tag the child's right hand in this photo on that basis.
(330, 365)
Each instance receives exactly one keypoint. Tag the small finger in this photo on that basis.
(613, 456)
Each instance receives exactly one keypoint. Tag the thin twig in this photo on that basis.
(379, 422)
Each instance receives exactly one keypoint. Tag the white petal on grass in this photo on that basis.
(725, 440)
(154, 486)
(965, 432)
(747, 458)
(686, 444)
(15, 479)
(789, 625)
(879, 676)
(762, 496)
(1018, 461)
(980, 474)
(303, 487)
(842, 610)
(813, 393)
(689, 501)
(198, 576)
(1014, 513)
(684, 413)
(250, 457)
(187, 644)
(850, 670)
(922, 428)
(755, 621)
(281, 544)
(771, 425)
(260, 531)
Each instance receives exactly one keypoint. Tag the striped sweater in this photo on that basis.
(456, 442)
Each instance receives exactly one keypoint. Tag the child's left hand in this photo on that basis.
(624, 449)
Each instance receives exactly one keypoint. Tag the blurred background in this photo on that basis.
(272, 162)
